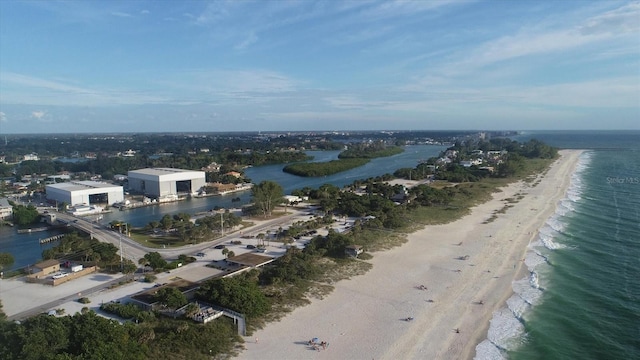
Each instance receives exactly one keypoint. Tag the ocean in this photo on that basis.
(581, 299)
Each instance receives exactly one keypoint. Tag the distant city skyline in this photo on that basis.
(210, 66)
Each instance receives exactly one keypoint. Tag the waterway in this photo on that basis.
(27, 250)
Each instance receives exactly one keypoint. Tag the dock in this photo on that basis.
(51, 238)
(26, 231)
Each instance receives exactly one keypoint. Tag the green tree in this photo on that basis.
(25, 215)
(267, 195)
(155, 260)
(43, 334)
(171, 297)
(167, 222)
(6, 259)
(3, 316)
(239, 293)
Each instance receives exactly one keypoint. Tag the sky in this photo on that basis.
(206, 66)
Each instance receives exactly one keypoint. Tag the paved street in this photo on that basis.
(21, 299)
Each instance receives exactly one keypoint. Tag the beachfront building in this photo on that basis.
(161, 183)
(84, 192)
(353, 250)
(46, 267)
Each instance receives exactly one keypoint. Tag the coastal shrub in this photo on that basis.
(25, 215)
(125, 311)
(84, 300)
(239, 293)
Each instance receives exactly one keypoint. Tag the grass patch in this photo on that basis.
(379, 239)
(490, 219)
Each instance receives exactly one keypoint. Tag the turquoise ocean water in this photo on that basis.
(581, 299)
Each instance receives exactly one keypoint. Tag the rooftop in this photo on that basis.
(149, 296)
(250, 259)
(82, 185)
(47, 263)
(161, 171)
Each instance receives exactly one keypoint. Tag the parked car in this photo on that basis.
(201, 254)
(219, 246)
(251, 247)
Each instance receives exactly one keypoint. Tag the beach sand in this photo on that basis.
(364, 317)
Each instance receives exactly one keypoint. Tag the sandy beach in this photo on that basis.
(467, 267)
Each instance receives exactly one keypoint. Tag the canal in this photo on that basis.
(27, 250)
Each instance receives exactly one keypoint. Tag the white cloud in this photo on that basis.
(39, 114)
(625, 19)
(621, 23)
(3, 117)
(231, 82)
(145, 12)
(388, 9)
(31, 90)
(120, 14)
(215, 12)
(250, 40)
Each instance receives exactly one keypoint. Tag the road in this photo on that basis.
(55, 303)
(134, 251)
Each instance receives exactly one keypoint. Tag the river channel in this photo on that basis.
(27, 250)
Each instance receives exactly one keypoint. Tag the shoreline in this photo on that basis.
(363, 317)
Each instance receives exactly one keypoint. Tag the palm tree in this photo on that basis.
(143, 262)
(88, 254)
(260, 238)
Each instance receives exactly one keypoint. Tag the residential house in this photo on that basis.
(6, 210)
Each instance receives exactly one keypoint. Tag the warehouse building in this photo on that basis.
(162, 183)
(85, 192)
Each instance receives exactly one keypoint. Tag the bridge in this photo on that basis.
(128, 248)
(134, 251)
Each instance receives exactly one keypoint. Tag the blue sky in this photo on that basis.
(131, 66)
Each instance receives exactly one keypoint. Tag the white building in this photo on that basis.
(31, 156)
(85, 192)
(163, 183)
(6, 210)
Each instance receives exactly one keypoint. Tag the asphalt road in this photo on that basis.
(44, 307)
(134, 251)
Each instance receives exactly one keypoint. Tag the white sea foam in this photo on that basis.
(506, 331)
(517, 306)
(529, 294)
(548, 242)
(564, 207)
(575, 190)
(486, 350)
(534, 258)
(555, 223)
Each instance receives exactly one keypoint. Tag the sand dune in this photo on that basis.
(467, 267)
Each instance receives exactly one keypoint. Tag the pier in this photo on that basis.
(51, 238)
(25, 231)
